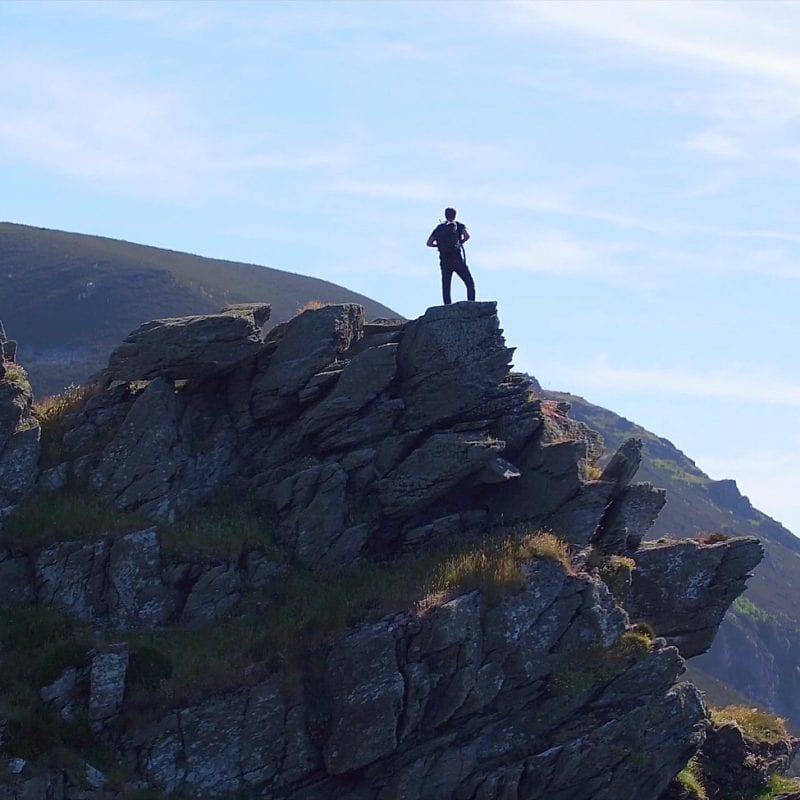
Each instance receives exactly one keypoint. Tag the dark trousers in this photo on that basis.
(455, 264)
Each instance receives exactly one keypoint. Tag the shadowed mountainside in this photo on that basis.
(71, 298)
(757, 649)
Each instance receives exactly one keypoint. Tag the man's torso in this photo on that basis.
(449, 236)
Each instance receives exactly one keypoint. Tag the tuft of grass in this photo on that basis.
(495, 567)
(25, 630)
(690, 780)
(616, 573)
(149, 667)
(754, 723)
(16, 376)
(592, 472)
(222, 527)
(595, 666)
(32, 733)
(55, 660)
(52, 412)
(634, 644)
(68, 514)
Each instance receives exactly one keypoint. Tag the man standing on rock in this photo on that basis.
(449, 238)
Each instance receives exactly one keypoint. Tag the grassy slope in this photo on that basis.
(69, 299)
(691, 509)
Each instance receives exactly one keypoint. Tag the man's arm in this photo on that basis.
(464, 234)
(432, 238)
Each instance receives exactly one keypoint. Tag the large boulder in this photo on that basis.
(367, 375)
(140, 463)
(312, 515)
(628, 517)
(683, 588)
(113, 582)
(308, 344)
(190, 347)
(366, 695)
(432, 470)
(449, 360)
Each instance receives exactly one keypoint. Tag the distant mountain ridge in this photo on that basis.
(71, 297)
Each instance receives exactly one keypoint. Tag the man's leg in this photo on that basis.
(447, 277)
(462, 270)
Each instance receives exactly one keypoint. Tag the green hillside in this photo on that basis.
(69, 298)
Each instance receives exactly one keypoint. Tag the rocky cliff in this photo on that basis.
(756, 650)
(439, 593)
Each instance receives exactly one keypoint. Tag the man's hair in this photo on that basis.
(449, 214)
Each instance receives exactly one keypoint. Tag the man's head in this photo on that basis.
(449, 214)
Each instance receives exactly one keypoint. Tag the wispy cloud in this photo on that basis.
(128, 136)
(743, 386)
(415, 190)
(736, 37)
(741, 56)
(555, 253)
(715, 144)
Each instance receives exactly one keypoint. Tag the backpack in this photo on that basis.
(448, 237)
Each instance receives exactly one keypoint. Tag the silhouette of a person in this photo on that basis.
(449, 238)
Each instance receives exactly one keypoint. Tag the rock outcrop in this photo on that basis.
(19, 430)
(466, 700)
(414, 429)
(683, 588)
(190, 347)
(367, 442)
(741, 760)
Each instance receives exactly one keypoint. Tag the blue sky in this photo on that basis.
(628, 172)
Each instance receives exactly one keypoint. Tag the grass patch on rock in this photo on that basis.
(677, 473)
(38, 644)
(779, 785)
(596, 666)
(52, 412)
(616, 573)
(16, 376)
(690, 780)
(222, 527)
(754, 723)
(66, 515)
(495, 567)
(302, 611)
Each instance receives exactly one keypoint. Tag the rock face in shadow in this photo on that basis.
(737, 763)
(368, 441)
(467, 700)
